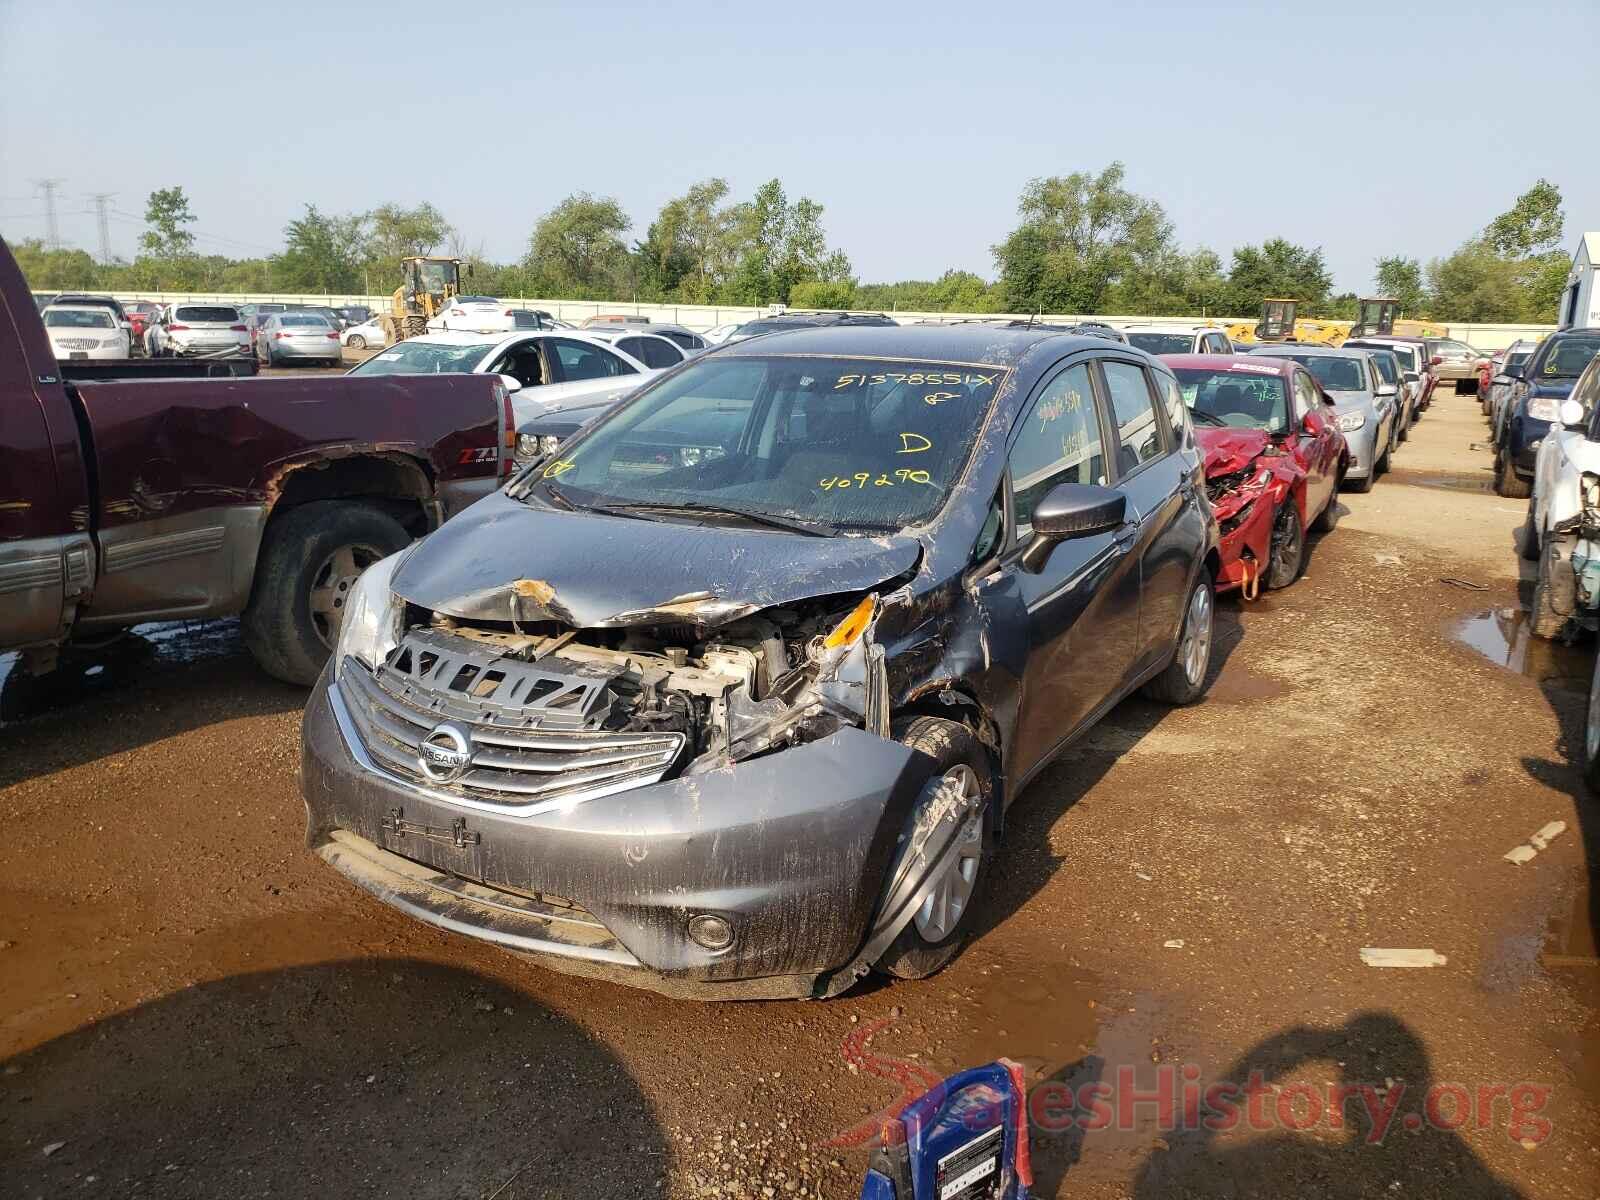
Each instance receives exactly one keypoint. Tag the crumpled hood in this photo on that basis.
(1229, 450)
(504, 560)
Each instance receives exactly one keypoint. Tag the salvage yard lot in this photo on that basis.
(192, 1004)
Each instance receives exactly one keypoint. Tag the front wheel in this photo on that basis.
(1381, 467)
(1184, 680)
(942, 922)
(1528, 543)
(1591, 734)
(1556, 591)
(1288, 546)
(310, 558)
(357, 342)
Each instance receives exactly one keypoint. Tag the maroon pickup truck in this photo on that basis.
(131, 500)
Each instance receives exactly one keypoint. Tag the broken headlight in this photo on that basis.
(372, 612)
(1351, 421)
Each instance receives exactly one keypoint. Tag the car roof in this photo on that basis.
(73, 304)
(1148, 328)
(980, 345)
(1269, 349)
(1223, 361)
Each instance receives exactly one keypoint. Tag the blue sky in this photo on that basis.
(914, 125)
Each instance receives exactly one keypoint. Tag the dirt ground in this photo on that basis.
(193, 1005)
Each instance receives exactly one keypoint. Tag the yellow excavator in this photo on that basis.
(1279, 323)
(1380, 316)
(429, 284)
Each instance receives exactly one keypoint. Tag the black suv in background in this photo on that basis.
(728, 696)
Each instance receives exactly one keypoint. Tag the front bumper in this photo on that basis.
(1524, 438)
(1246, 544)
(1362, 445)
(792, 849)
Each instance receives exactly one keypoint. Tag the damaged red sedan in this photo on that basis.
(1273, 460)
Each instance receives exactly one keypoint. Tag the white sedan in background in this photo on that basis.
(81, 331)
(368, 333)
(474, 314)
(544, 370)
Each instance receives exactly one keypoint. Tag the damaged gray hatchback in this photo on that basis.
(728, 697)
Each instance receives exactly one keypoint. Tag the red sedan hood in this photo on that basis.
(1229, 450)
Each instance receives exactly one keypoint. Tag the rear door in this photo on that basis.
(1159, 478)
(1083, 604)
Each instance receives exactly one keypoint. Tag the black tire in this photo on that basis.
(1288, 547)
(1556, 591)
(952, 747)
(1328, 519)
(1180, 682)
(286, 636)
(1506, 480)
(357, 342)
(1407, 420)
(1362, 486)
(1591, 734)
(1381, 466)
(1528, 542)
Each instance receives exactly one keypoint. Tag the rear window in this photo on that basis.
(196, 312)
(78, 318)
(521, 318)
(476, 300)
(1162, 343)
(303, 320)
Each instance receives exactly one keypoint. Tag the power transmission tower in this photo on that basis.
(48, 187)
(101, 201)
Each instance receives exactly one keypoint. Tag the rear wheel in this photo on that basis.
(1288, 546)
(1184, 680)
(357, 342)
(310, 559)
(943, 921)
(1555, 593)
(1361, 485)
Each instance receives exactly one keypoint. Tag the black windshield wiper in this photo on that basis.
(791, 524)
(1208, 418)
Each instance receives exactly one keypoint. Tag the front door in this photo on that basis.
(1083, 604)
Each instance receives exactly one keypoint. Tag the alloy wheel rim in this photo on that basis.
(1197, 636)
(950, 896)
(330, 588)
(1285, 540)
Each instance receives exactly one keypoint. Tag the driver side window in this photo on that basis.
(522, 363)
(1058, 441)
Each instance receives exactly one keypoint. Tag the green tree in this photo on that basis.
(1531, 226)
(49, 270)
(576, 249)
(1401, 279)
(322, 253)
(396, 232)
(165, 215)
(1475, 284)
(818, 293)
(1079, 236)
(1276, 268)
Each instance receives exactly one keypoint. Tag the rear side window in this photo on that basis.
(1177, 410)
(1058, 441)
(578, 360)
(1133, 414)
(657, 353)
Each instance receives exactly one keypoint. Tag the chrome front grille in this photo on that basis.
(77, 343)
(513, 765)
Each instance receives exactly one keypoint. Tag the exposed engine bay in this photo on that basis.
(760, 683)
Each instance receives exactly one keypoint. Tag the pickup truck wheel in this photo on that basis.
(943, 921)
(1184, 680)
(309, 560)
(1506, 480)
(1556, 592)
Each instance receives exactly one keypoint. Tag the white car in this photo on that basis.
(474, 314)
(1562, 528)
(1172, 339)
(368, 333)
(544, 370)
(651, 349)
(82, 331)
(198, 329)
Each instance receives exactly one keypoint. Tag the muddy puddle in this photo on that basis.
(1504, 637)
(87, 672)
(1569, 941)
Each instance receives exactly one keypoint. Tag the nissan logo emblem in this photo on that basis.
(445, 753)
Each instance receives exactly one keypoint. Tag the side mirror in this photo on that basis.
(1386, 389)
(1411, 377)
(1071, 510)
(1572, 414)
(512, 383)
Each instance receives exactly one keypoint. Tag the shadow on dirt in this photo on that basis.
(363, 1077)
(1412, 1157)
(146, 685)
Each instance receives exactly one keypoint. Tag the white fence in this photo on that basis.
(702, 317)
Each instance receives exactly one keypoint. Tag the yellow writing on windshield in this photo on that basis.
(913, 443)
(558, 468)
(915, 378)
(863, 479)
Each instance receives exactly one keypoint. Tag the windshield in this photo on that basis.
(434, 276)
(1334, 374)
(1568, 357)
(424, 358)
(1161, 343)
(1244, 397)
(1385, 365)
(78, 318)
(229, 316)
(834, 442)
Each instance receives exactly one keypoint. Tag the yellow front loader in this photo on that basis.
(429, 285)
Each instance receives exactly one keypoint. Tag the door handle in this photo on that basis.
(1125, 534)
